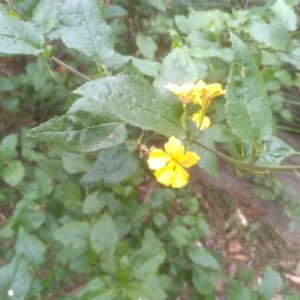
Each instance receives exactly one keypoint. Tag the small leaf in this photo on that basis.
(180, 235)
(113, 165)
(87, 127)
(159, 4)
(104, 234)
(271, 282)
(271, 35)
(146, 45)
(285, 14)
(203, 258)
(30, 246)
(72, 194)
(14, 173)
(75, 235)
(139, 290)
(8, 147)
(93, 204)
(19, 37)
(292, 57)
(83, 28)
(177, 68)
(240, 292)
(203, 280)
(141, 104)
(248, 108)
(15, 277)
(145, 66)
(115, 11)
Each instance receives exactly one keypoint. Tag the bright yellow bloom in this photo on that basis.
(197, 119)
(184, 92)
(206, 92)
(169, 163)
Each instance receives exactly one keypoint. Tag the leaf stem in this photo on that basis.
(245, 165)
(72, 70)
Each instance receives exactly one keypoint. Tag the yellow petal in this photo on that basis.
(189, 159)
(158, 159)
(181, 177)
(205, 123)
(174, 148)
(165, 175)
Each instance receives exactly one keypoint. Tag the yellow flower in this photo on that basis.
(206, 92)
(169, 163)
(184, 92)
(205, 122)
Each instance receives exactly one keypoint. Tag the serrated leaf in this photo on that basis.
(177, 68)
(271, 282)
(146, 261)
(86, 127)
(285, 14)
(83, 28)
(75, 235)
(15, 277)
(139, 290)
(104, 234)
(113, 165)
(203, 280)
(203, 258)
(271, 35)
(14, 173)
(274, 151)
(47, 13)
(19, 37)
(248, 108)
(208, 161)
(30, 246)
(137, 102)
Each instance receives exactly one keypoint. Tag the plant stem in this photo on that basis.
(72, 70)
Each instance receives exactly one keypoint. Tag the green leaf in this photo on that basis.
(104, 234)
(145, 66)
(75, 235)
(271, 35)
(248, 108)
(292, 57)
(19, 37)
(142, 105)
(208, 161)
(274, 151)
(87, 127)
(271, 282)
(115, 11)
(30, 246)
(177, 68)
(203, 280)
(123, 272)
(72, 194)
(240, 292)
(93, 204)
(180, 235)
(285, 14)
(14, 173)
(146, 261)
(75, 164)
(203, 258)
(83, 28)
(15, 278)
(113, 165)
(159, 4)
(146, 45)
(47, 13)
(139, 290)
(8, 147)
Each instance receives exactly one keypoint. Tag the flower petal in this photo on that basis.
(166, 174)
(174, 148)
(158, 159)
(181, 177)
(188, 159)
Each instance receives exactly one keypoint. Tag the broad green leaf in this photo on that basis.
(86, 127)
(203, 258)
(271, 35)
(83, 28)
(145, 66)
(240, 292)
(8, 147)
(285, 14)
(30, 246)
(14, 173)
(93, 203)
(72, 194)
(248, 108)
(146, 261)
(47, 13)
(15, 279)
(177, 68)
(146, 45)
(139, 290)
(75, 235)
(208, 161)
(159, 4)
(271, 282)
(113, 165)
(137, 102)
(75, 164)
(274, 151)
(203, 280)
(180, 235)
(19, 37)
(104, 234)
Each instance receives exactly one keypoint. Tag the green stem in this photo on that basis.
(295, 33)
(245, 165)
(72, 70)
